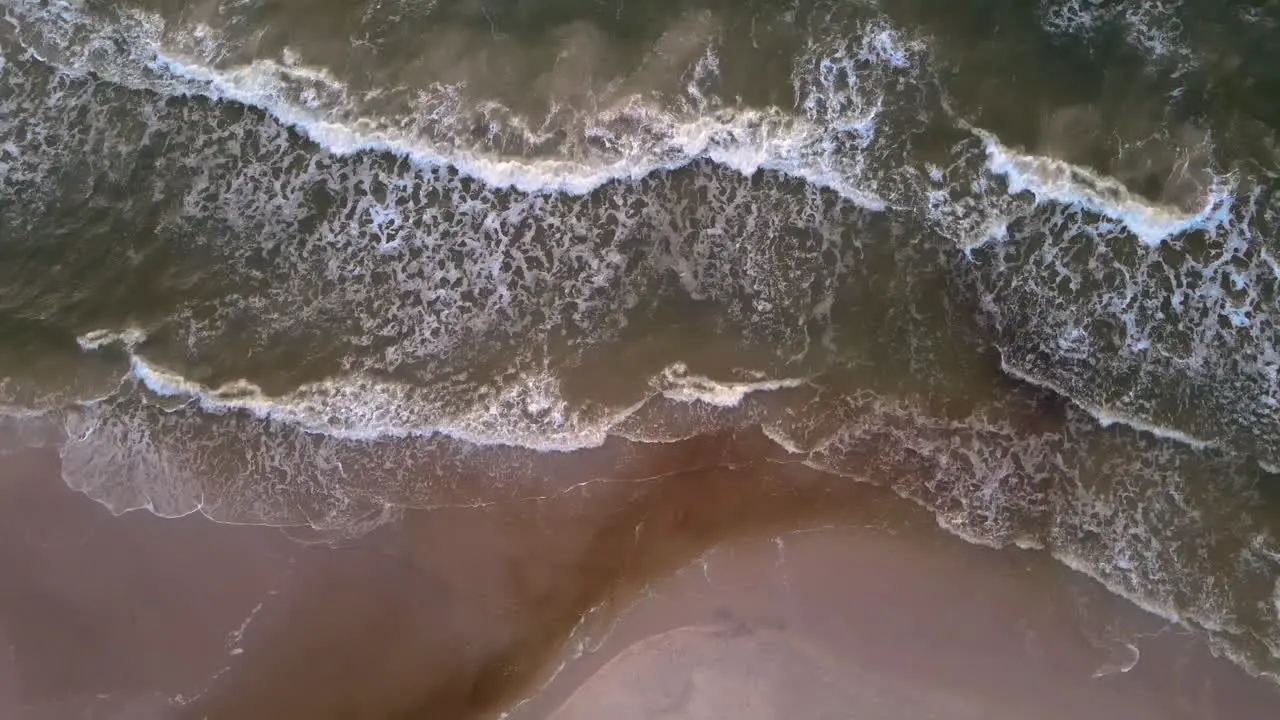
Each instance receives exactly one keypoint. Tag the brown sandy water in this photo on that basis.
(799, 594)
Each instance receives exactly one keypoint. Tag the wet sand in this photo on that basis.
(704, 582)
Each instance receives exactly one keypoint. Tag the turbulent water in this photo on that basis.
(292, 262)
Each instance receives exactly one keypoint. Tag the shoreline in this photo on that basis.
(466, 612)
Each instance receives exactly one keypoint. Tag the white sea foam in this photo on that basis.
(1058, 181)
(530, 413)
(1106, 417)
(1150, 26)
(781, 438)
(990, 483)
(743, 139)
(1075, 16)
(1160, 610)
(1169, 613)
(96, 339)
(1275, 599)
(260, 84)
(675, 383)
(641, 136)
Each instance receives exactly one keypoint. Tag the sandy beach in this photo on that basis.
(719, 592)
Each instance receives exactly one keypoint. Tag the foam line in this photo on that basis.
(326, 111)
(1050, 179)
(1106, 417)
(528, 414)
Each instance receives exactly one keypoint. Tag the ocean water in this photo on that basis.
(305, 263)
